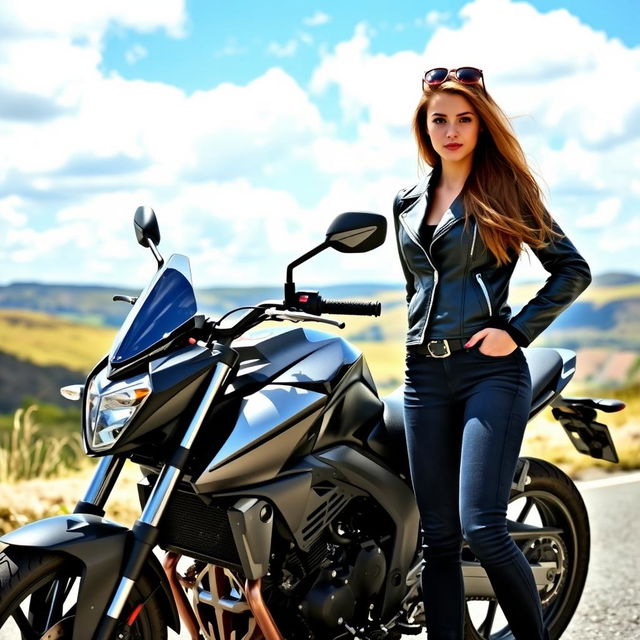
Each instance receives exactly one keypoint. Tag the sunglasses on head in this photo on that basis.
(463, 75)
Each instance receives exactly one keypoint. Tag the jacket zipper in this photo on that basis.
(484, 290)
(473, 242)
(435, 275)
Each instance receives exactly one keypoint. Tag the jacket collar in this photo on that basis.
(418, 196)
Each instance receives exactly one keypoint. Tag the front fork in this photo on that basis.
(145, 530)
(101, 485)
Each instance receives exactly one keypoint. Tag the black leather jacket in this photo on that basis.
(455, 288)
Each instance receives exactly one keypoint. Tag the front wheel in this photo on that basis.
(549, 499)
(38, 593)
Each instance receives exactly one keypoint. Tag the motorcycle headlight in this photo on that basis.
(111, 406)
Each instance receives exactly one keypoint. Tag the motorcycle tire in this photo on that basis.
(29, 607)
(549, 498)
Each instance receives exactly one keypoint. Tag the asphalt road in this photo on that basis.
(610, 604)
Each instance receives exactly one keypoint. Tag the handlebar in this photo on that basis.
(347, 307)
(312, 302)
(303, 305)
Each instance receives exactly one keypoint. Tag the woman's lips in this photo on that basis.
(452, 146)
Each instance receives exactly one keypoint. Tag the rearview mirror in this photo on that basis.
(351, 232)
(357, 232)
(147, 231)
(146, 225)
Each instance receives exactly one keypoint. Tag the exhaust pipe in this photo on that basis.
(185, 611)
(253, 593)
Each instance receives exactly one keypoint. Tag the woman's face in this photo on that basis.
(453, 126)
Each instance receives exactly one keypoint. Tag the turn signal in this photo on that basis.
(72, 392)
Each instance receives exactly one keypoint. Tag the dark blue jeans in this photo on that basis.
(465, 417)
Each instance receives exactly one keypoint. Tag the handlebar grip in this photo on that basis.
(346, 307)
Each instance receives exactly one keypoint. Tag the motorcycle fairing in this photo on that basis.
(99, 545)
(286, 356)
(320, 394)
(353, 409)
(271, 425)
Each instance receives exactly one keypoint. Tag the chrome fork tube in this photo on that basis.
(170, 474)
(162, 490)
(145, 530)
(102, 483)
(218, 378)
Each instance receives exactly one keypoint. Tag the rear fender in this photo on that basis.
(578, 418)
(100, 546)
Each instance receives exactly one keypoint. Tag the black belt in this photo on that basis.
(438, 348)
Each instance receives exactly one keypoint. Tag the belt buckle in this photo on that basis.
(444, 343)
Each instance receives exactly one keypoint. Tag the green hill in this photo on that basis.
(46, 340)
(21, 380)
(69, 328)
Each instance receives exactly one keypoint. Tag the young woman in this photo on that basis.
(468, 387)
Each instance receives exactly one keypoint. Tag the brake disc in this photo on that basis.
(550, 549)
(62, 629)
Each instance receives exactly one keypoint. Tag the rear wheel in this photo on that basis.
(38, 592)
(549, 499)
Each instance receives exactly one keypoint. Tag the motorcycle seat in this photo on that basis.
(545, 365)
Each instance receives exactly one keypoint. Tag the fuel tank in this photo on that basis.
(298, 390)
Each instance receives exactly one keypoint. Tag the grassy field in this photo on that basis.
(50, 340)
(46, 339)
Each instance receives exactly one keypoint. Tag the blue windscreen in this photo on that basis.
(167, 304)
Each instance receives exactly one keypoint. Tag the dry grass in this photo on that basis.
(30, 500)
(26, 453)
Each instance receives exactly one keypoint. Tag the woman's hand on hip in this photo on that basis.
(495, 342)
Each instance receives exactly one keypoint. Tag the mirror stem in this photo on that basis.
(304, 258)
(156, 253)
(290, 285)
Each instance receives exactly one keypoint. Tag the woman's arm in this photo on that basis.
(408, 276)
(570, 276)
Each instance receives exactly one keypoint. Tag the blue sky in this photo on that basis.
(248, 126)
(228, 42)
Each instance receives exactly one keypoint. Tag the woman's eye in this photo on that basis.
(465, 119)
(438, 120)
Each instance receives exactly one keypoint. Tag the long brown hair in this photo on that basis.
(500, 193)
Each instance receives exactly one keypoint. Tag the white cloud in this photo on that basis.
(9, 213)
(81, 149)
(376, 151)
(221, 133)
(605, 213)
(621, 237)
(283, 50)
(378, 88)
(317, 19)
(136, 53)
(78, 18)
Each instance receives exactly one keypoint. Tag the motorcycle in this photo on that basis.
(274, 478)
